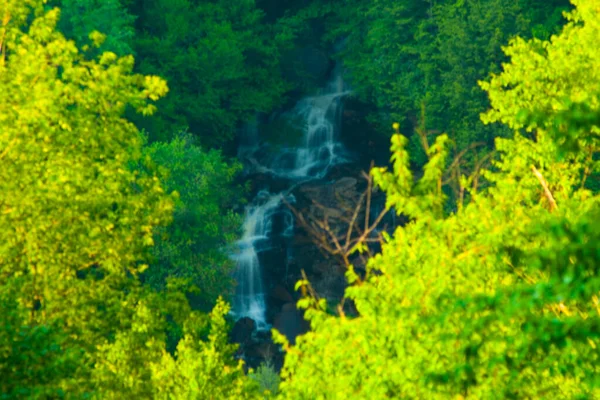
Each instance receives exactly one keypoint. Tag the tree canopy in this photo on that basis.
(77, 222)
(497, 300)
(194, 247)
(220, 58)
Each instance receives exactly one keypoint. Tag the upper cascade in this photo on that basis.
(319, 148)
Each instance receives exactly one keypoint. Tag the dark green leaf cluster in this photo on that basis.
(79, 18)
(220, 59)
(194, 246)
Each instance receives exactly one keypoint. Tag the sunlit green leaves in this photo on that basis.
(499, 299)
(75, 220)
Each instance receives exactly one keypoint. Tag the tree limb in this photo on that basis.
(547, 191)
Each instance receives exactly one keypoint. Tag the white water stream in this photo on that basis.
(318, 151)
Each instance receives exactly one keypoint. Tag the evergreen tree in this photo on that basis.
(79, 18)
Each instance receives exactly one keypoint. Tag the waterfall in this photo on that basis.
(318, 151)
(250, 297)
(319, 148)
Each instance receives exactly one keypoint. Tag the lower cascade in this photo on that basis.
(258, 223)
(267, 216)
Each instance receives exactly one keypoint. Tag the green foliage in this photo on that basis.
(267, 378)
(194, 246)
(403, 55)
(543, 74)
(221, 62)
(202, 368)
(546, 16)
(79, 18)
(77, 222)
(465, 49)
(498, 300)
(41, 348)
(70, 206)
(557, 83)
(413, 200)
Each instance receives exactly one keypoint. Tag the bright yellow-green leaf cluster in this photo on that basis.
(77, 218)
(500, 299)
(543, 74)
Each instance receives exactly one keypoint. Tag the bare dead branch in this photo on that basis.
(544, 184)
(330, 240)
(458, 158)
(354, 216)
(478, 167)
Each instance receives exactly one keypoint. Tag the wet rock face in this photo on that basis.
(286, 255)
(330, 200)
(256, 347)
(317, 178)
(328, 208)
(280, 294)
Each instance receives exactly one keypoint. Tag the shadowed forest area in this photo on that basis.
(299, 199)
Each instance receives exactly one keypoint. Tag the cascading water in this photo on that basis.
(318, 151)
(250, 297)
(319, 147)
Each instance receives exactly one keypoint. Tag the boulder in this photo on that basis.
(289, 307)
(242, 330)
(345, 184)
(264, 350)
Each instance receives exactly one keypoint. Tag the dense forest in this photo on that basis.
(299, 199)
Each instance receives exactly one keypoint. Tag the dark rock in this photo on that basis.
(290, 322)
(289, 307)
(332, 286)
(333, 201)
(322, 267)
(345, 184)
(242, 331)
(264, 350)
(307, 65)
(281, 294)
